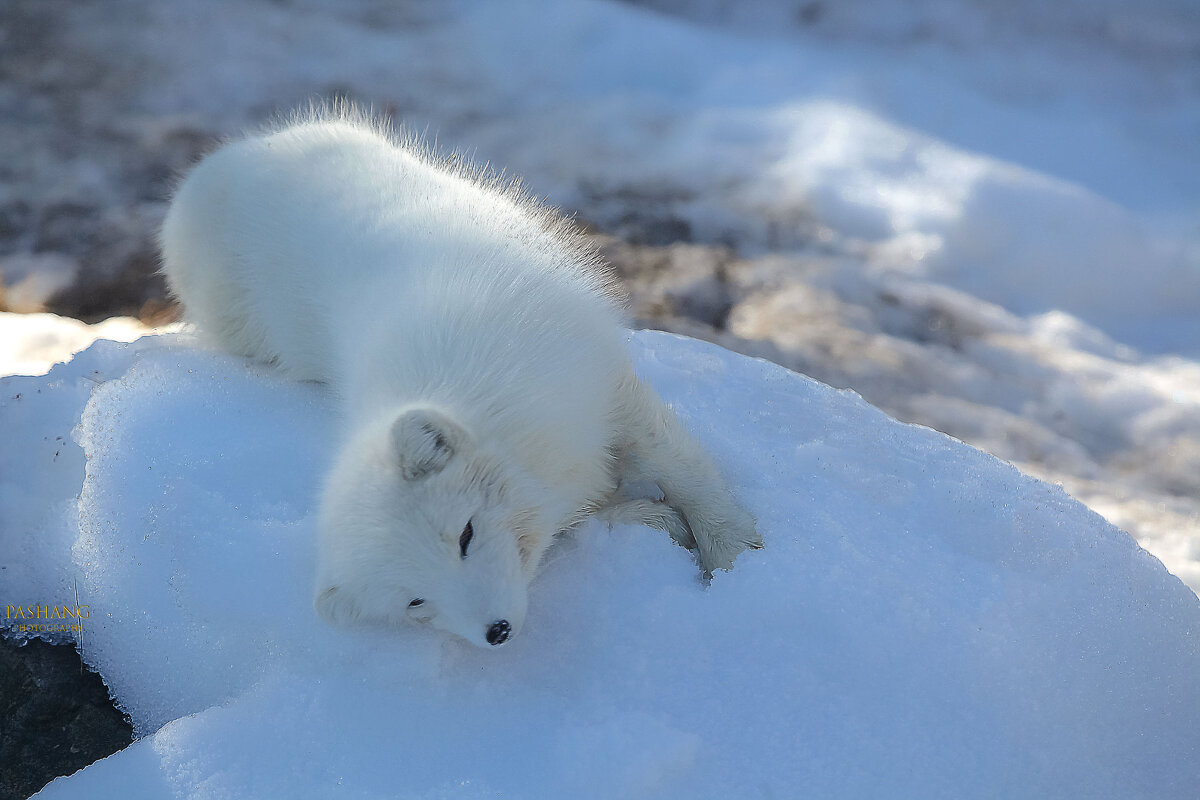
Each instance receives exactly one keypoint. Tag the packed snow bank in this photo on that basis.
(924, 621)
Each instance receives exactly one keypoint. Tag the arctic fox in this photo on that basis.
(477, 355)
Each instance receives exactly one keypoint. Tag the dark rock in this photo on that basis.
(56, 716)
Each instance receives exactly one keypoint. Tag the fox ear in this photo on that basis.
(425, 441)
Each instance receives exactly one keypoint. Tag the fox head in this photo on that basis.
(419, 522)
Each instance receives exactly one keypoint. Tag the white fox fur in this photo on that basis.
(478, 359)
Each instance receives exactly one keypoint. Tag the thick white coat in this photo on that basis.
(477, 354)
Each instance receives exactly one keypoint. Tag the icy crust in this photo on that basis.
(924, 621)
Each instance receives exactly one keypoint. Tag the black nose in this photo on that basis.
(498, 633)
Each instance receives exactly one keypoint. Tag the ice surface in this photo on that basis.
(924, 621)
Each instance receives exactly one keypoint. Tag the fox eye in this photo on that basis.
(420, 601)
(464, 541)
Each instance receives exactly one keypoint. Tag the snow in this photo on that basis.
(30, 344)
(1060, 399)
(982, 216)
(924, 620)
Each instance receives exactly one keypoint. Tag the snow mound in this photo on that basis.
(924, 621)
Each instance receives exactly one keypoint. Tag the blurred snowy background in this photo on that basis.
(982, 216)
